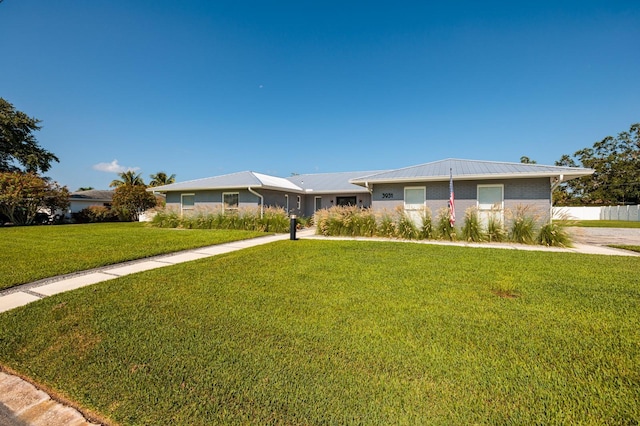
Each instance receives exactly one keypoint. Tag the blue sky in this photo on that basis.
(201, 88)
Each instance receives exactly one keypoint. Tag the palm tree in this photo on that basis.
(127, 178)
(161, 178)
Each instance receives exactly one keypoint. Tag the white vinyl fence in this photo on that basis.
(629, 213)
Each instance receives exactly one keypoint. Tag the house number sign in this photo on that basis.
(387, 195)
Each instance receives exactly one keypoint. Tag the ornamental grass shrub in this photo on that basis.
(166, 218)
(523, 224)
(553, 234)
(386, 226)
(353, 221)
(443, 228)
(495, 231)
(471, 230)
(426, 226)
(273, 219)
(407, 228)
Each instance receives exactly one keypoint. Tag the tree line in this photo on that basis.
(616, 180)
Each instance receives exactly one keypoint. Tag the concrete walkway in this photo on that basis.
(21, 403)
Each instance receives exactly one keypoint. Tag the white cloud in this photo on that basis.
(113, 167)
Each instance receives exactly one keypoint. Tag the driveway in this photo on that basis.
(605, 236)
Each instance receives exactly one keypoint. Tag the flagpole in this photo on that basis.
(452, 206)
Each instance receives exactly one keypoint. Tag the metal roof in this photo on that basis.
(471, 169)
(232, 181)
(354, 182)
(320, 183)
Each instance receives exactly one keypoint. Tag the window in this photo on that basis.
(346, 201)
(230, 200)
(414, 198)
(318, 203)
(490, 203)
(187, 202)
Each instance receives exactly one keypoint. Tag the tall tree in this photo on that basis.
(127, 178)
(19, 149)
(161, 178)
(616, 161)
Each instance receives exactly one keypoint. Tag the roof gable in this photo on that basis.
(231, 181)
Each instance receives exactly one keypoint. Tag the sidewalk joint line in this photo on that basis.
(32, 292)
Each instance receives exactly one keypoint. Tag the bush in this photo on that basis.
(553, 235)
(95, 214)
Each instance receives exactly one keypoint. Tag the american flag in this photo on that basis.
(452, 206)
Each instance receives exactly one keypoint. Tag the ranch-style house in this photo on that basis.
(492, 187)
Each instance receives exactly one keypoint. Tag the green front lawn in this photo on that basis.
(335, 332)
(632, 248)
(600, 223)
(34, 252)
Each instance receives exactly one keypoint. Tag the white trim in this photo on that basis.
(286, 201)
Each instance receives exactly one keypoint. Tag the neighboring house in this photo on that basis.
(80, 200)
(492, 187)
